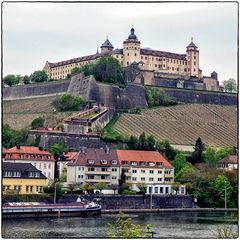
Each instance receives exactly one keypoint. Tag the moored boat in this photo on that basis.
(22, 210)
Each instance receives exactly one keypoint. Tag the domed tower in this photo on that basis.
(192, 59)
(106, 47)
(131, 49)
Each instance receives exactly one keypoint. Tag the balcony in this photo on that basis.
(97, 173)
(98, 180)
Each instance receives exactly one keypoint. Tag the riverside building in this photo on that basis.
(104, 165)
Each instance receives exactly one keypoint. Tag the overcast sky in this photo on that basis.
(36, 32)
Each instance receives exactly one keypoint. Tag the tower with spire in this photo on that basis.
(106, 47)
(192, 59)
(131, 49)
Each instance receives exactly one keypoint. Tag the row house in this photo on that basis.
(22, 178)
(105, 165)
(39, 158)
(228, 163)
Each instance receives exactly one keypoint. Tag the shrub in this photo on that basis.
(68, 102)
(11, 80)
(39, 76)
(129, 192)
(37, 123)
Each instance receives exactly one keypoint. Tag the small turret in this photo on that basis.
(106, 47)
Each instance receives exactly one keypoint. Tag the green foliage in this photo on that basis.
(182, 171)
(197, 155)
(26, 79)
(175, 186)
(58, 149)
(12, 137)
(142, 188)
(75, 70)
(226, 232)
(157, 97)
(129, 192)
(223, 152)
(39, 76)
(37, 123)
(11, 80)
(135, 110)
(100, 186)
(87, 69)
(221, 184)
(230, 85)
(125, 228)
(179, 162)
(209, 156)
(86, 187)
(68, 102)
(108, 69)
(133, 142)
(166, 149)
(50, 190)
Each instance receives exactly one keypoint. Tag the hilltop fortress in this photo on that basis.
(159, 68)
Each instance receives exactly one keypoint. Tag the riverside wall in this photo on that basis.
(136, 201)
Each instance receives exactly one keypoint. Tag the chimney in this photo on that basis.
(18, 146)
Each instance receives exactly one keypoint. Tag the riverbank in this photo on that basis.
(158, 210)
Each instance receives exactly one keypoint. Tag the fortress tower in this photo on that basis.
(106, 47)
(192, 59)
(131, 49)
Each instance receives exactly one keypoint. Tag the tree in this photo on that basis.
(142, 141)
(108, 69)
(100, 186)
(166, 149)
(125, 228)
(222, 184)
(37, 123)
(197, 155)
(39, 76)
(10, 80)
(86, 187)
(142, 188)
(175, 187)
(75, 70)
(150, 142)
(26, 79)
(223, 152)
(209, 156)
(68, 102)
(149, 96)
(7, 136)
(230, 85)
(179, 162)
(121, 181)
(133, 142)
(87, 69)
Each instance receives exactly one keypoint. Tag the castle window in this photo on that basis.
(174, 61)
(171, 60)
(141, 57)
(177, 69)
(194, 70)
(173, 68)
(145, 58)
(168, 68)
(167, 60)
(127, 63)
(194, 57)
(163, 65)
(135, 54)
(194, 63)
(155, 65)
(160, 66)
(128, 54)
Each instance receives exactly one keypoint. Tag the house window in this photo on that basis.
(151, 171)
(166, 190)
(159, 179)
(91, 177)
(91, 169)
(80, 176)
(151, 179)
(49, 174)
(161, 189)
(49, 166)
(159, 171)
(44, 165)
(142, 178)
(134, 179)
(142, 171)
(91, 161)
(134, 171)
(114, 169)
(104, 161)
(113, 177)
(27, 188)
(156, 190)
(125, 162)
(114, 161)
(103, 177)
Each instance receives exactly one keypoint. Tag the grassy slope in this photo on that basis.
(109, 131)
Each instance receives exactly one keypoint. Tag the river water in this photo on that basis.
(166, 225)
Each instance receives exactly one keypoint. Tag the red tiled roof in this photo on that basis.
(230, 159)
(70, 155)
(142, 156)
(27, 149)
(28, 152)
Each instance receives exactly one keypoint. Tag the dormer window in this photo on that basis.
(34, 174)
(114, 161)
(159, 164)
(103, 161)
(151, 164)
(143, 164)
(21, 156)
(90, 161)
(133, 163)
(125, 162)
(28, 156)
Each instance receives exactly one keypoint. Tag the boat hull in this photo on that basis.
(49, 212)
